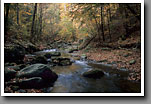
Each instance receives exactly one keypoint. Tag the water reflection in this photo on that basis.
(71, 80)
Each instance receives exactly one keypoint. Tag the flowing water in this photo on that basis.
(71, 80)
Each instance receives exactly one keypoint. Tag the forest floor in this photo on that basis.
(125, 58)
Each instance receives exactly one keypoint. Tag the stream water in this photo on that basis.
(71, 80)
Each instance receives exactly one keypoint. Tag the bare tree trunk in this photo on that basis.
(126, 23)
(108, 17)
(40, 19)
(98, 27)
(110, 13)
(33, 21)
(102, 23)
(17, 13)
(7, 6)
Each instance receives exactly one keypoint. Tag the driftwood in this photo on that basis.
(87, 43)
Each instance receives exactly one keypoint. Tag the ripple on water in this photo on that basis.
(69, 83)
(84, 63)
(50, 50)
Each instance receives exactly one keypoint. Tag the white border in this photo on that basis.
(72, 94)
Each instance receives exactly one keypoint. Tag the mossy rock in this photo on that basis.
(9, 73)
(61, 61)
(39, 59)
(55, 53)
(132, 62)
(93, 74)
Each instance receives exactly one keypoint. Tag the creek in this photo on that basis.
(71, 77)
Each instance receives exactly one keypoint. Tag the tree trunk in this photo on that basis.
(17, 13)
(7, 6)
(33, 22)
(110, 13)
(102, 23)
(126, 23)
(108, 18)
(40, 19)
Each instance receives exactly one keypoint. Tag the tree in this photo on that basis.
(33, 21)
(7, 7)
(17, 12)
(134, 12)
(102, 23)
(109, 19)
(40, 19)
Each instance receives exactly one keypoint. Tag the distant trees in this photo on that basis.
(106, 18)
(99, 22)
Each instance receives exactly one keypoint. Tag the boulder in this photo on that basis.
(39, 59)
(9, 73)
(105, 49)
(37, 70)
(61, 61)
(14, 53)
(47, 55)
(132, 62)
(65, 62)
(34, 82)
(10, 64)
(16, 68)
(93, 74)
(35, 76)
(83, 56)
(54, 53)
(30, 48)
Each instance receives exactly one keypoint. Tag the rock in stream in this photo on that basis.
(35, 76)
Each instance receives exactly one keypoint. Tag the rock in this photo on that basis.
(83, 56)
(30, 48)
(15, 88)
(65, 62)
(10, 64)
(21, 66)
(53, 53)
(14, 54)
(34, 82)
(16, 68)
(16, 51)
(35, 76)
(105, 49)
(29, 58)
(103, 61)
(39, 59)
(123, 69)
(22, 91)
(37, 70)
(9, 73)
(70, 50)
(126, 55)
(93, 74)
(61, 61)
(47, 55)
(113, 62)
(132, 62)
